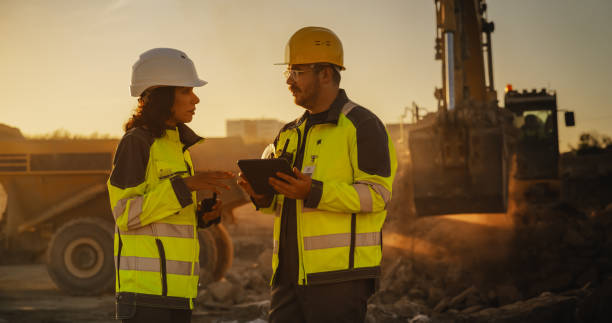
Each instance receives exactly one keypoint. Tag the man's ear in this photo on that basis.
(327, 75)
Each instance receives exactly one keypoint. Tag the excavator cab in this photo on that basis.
(537, 146)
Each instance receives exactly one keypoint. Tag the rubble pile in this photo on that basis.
(558, 260)
(243, 294)
(409, 294)
(558, 248)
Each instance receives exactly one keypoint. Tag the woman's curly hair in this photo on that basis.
(154, 109)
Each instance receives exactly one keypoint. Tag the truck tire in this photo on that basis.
(225, 250)
(208, 257)
(80, 257)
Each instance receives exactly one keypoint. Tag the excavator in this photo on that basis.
(462, 155)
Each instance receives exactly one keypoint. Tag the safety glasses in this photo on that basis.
(294, 73)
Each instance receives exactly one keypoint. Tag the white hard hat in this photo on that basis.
(163, 67)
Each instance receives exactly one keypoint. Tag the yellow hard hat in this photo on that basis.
(314, 45)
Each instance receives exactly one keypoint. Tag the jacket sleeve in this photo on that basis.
(135, 203)
(372, 158)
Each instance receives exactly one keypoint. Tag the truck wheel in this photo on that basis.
(208, 257)
(80, 257)
(225, 250)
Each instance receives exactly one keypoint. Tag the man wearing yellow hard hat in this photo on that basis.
(327, 229)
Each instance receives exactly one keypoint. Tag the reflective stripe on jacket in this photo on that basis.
(352, 163)
(156, 241)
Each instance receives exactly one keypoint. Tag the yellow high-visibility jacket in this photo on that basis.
(156, 241)
(352, 163)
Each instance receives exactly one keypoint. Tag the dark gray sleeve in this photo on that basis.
(183, 194)
(373, 148)
(130, 163)
(314, 197)
(372, 142)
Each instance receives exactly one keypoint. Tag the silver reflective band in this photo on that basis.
(163, 230)
(367, 239)
(378, 188)
(275, 247)
(179, 267)
(348, 106)
(277, 210)
(174, 267)
(119, 208)
(365, 198)
(341, 240)
(134, 212)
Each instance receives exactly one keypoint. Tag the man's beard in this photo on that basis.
(309, 97)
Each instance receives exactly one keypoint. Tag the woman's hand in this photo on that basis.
(211, 181)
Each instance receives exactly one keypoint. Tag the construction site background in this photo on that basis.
(542, 262)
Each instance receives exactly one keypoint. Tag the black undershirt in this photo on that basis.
(288, 272)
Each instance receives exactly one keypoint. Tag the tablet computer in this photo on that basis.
(257, 172)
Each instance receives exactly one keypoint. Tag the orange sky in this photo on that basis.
(66, 64)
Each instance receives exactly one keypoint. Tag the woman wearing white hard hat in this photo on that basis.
(152, 191)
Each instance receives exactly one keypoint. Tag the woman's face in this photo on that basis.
(184, 106)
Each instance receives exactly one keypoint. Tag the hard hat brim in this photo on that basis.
(342, 68)
(136, 90)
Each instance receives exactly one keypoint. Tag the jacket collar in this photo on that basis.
(186, 136)
(333, 113)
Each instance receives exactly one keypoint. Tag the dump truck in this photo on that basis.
(463, 154)
(54, 201)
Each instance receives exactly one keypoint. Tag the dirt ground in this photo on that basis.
(27, 294)
(425, 263)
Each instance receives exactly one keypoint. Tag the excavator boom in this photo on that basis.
(459, 157)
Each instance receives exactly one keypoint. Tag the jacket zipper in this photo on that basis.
(162, 264)
(301, 153)
(119, 260)
(191, 172)
(352, 246)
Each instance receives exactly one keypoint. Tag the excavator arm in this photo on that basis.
(460, 28)
(458, 155)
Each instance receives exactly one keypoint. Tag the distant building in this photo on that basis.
(253, 129)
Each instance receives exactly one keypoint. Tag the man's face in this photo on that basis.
(304, 84)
